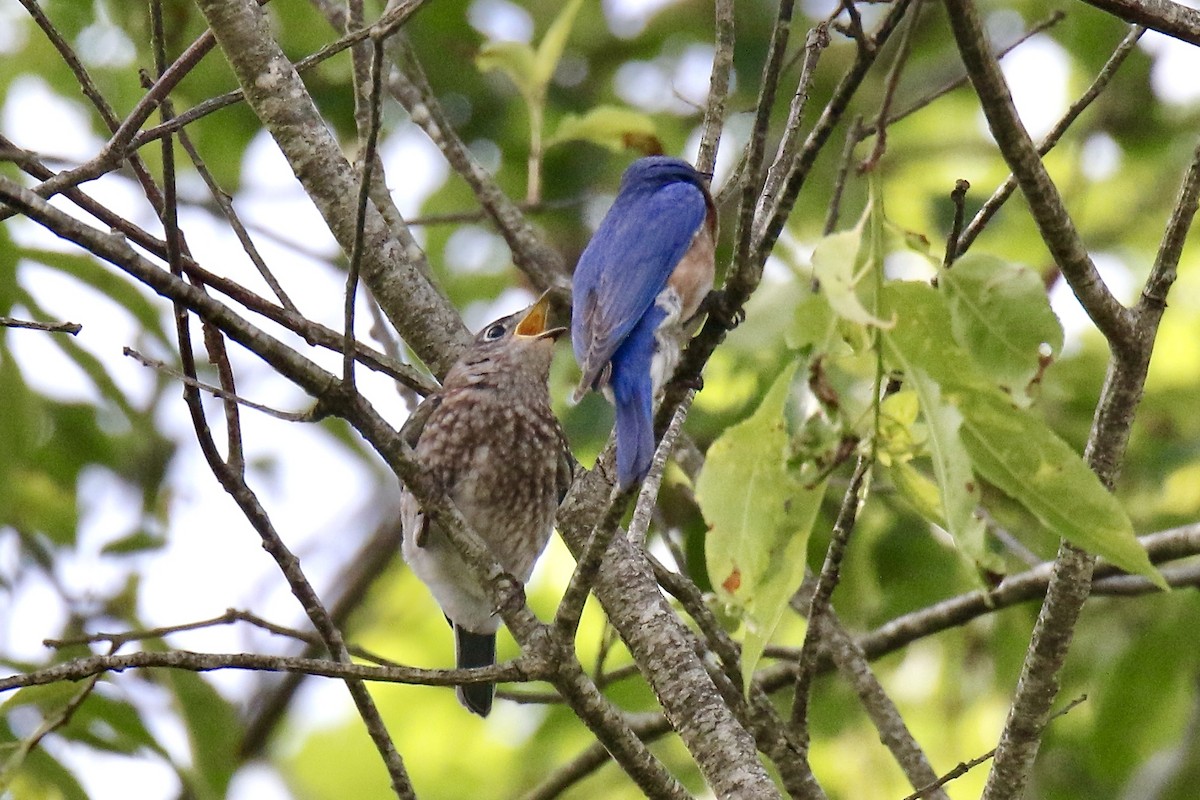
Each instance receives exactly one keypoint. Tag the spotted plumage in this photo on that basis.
(489, 439)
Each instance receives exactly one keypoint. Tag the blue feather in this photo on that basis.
(617, 313)
(633, 396)
(650, 226)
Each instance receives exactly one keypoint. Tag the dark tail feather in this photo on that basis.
(635, 430)
(475, 650)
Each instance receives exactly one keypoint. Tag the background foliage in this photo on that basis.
(91, 490)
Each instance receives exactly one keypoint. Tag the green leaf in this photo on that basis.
(34, 773)
(110, 724)
(553, 43)
(214, 731)
(1024, 459)
(760, 515)
(1009, 446)
(47, 697)
(958, 489)
(40, 504)
(918, 490)
(836, 262)
(813, 322)
(1000, 312)
(137, 542)
(613, 127)
(517, 61)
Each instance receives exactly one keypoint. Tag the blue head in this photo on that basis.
(652, 172)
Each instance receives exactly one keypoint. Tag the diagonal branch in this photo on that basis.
(1005, 190)
(1045, 203)
(1164, 16)
(506, 593)
(530, 251)
(393, 265)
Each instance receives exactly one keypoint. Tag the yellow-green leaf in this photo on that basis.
(551, 48)
(516, 60)
(836, 260)
(1009, 446)
(1000, 313)
(613, 127)
(759, 515)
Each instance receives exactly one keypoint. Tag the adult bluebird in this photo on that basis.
(640, 279)
(489, 440)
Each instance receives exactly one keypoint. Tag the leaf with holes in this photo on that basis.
(1000, 313)
(1009, 446)
(759, 515)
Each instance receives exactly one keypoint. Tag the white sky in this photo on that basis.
(213, 560)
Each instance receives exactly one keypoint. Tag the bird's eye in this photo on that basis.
(493, 332)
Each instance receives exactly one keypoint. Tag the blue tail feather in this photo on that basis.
(635, 431)
(633, 396)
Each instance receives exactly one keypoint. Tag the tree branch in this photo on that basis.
(1045, 204)
(72, 328)
(1005, 190)
(393, 265)
(81, 668)
(1164, 16)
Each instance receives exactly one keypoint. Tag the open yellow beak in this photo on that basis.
(533, 324)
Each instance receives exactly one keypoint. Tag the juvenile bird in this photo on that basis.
(641, 278)
(491, 442)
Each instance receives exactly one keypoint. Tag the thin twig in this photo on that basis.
(531, 253)
(385, 26)
(648, 495)
(1005, 190)
(718, 86)
(891, 83)
(958, 196)
(49, 327)
(826, 583)
(1050, 21)
(773, 218)
(364, 190)
(854, 135)
(53, 722)
(93, 94)
(570, 608)
(814, 44)
(216, 391)
(967, 766)
(310, 331)
(225, 204)
(744, 269)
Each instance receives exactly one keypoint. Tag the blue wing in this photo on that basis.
(626, 265)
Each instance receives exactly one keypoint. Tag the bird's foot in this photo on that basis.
(514, 594)
(718, 306)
